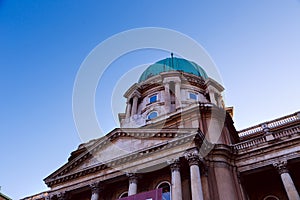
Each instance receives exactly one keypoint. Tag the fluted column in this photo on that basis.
(134, 105)
(196, 186)
(128, 110)
(176, 179)
(167, 98)
(95, 188)
(287, 181)
(133, 180)
(177, 95)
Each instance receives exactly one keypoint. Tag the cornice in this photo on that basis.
(212, 82)
(134, 88)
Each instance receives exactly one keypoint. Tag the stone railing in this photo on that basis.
(254, 130)
(250, 143)
(266, 138)
(285, 133)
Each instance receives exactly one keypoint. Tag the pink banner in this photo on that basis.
(150, 195)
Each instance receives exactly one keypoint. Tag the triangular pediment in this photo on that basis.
(118, 148)
(116, 144)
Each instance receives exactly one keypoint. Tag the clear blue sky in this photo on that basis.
(255, 44)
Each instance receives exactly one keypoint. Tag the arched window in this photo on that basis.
(271, 197)
(166, 190)
(152, 115)
(124, 194)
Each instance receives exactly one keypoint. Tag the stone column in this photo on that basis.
(95, 188)
(134, 105)
(177, 95)
(287, 181)
(128, 110)
(176, 179)
(196, 186)
(133, 180)
(167, 98)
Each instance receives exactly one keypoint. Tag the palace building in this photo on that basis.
(177, 141)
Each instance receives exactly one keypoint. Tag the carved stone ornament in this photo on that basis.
(192, 157)
(48, 198)
(95, 187)
(174, 164)
(61, 196)
(133, 178)
(281, 166)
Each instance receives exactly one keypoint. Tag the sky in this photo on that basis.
(255, 45)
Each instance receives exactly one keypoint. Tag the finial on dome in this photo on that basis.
(172, 64)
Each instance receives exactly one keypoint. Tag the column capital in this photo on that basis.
(281, 166)
(174, 164)
(62, 196)
(95, 187)
(192, 156)
(133, 178)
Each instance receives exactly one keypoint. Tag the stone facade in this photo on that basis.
(177, 136)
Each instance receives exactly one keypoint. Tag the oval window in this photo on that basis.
(152, 115)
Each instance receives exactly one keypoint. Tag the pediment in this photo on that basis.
(119, 143)
(118, 148)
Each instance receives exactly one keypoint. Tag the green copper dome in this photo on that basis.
(173, 64)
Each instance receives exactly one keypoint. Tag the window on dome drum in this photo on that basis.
(166, 190)
(153, 98)
(152, 115)
(193, 96)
